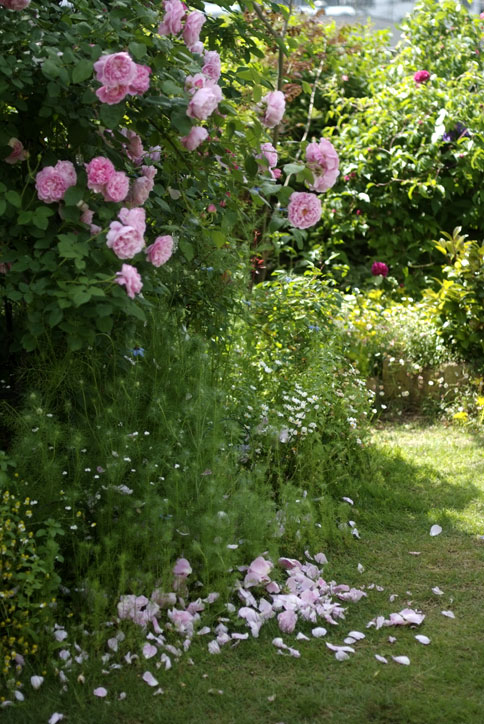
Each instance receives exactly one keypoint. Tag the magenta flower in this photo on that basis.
(275, 105)
(304, 210)
(99, 171)
(131, 279)
(112, 96)
(193, 26)
(53, 181)
(196, 136)
(117, 187)
(212, 65)
(115, 69)
(379, 269)
(421, 76)
(125, 241)
(204, 102)
(141, 81)
(323, 161)
(172, 20)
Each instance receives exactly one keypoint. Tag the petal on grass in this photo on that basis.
(437, 591)
(435, 530)
(422, 639)
(101, 692)
(318, 632)
(361, 568)
(36, 681)
(213, 647)
(56, 717)
(357, 635)
(149, 651)
(149, 679)
(401, 660)
(341, 656)
(449, 614)
(381, 659)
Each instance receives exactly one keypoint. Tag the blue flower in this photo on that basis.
(138, 352)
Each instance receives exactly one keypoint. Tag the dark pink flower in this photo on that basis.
(379, 269)
(421, 76)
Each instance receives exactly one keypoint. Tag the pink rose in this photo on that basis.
(174, 14)
(130, 277)
(141, 81)
(204, 102)
(134, 217)
(125, 241)
(323, 161)
(116, 69)
(99, 171)
(154, 154)
(53, 181)
(15, 4)
(87, 215)
(270, 154)
(212, 209)
(140, 191)
(18, 153)
(196, 136)
(197, 48)
(117, 187)
(304, 210)
(421, 76)
(113, 95)
(212, 66)
(149, 172)
(193, 26)
(134, 148)
(159, 252)
(194, 82)
(275, 105)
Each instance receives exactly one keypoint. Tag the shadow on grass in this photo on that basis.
(417, 481)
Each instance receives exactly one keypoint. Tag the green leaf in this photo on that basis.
(251, 166)
(219, 238)
(293, 168)
(51, 69)
(82, 71)
(3, 206)
(55, 316)
(104, 324)
(25, 217)
(73, 195)
(170, 88)
(14, 198)
(187, 249)
(111, 116)
(137, 50)
(180, 122)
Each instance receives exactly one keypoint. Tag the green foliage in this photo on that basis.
(28, 579)
(58, 275)
(460, 296)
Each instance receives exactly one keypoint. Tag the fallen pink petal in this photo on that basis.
(381, 659)
(422, 639)
(149, 679)
(401, 660)
(101, 692)
(448, 614)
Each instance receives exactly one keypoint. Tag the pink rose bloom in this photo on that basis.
(275, 105)
(99, 171)
(212, 209)
(140, 191)
(379, 269)
(116, 69)
(113, 95)
(141, 81)
(68, 171)
(53, 181)
(117, 187)
(125, 241)
(130, 277)
(15, 4)
(212, 66)
(323, 161)
(158, 253)
(204, 102)
(196, 136)
(182, 568)
(87, 215)
(258, 572)
(197, 48)
(194, 82)
(287, 621)
(134, 148)
(304, 210)
(172, 21)
(154, 154)
(421, 76)
(269, 152)
(134, 217)
(276, 173)
(193, 26)
(18, 153)
(149, 172)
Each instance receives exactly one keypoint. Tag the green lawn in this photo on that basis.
(418, 477)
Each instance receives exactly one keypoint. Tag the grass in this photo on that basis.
(418, 476)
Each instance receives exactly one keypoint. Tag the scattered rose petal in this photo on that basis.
(346, 649)
(302, 637)
(449, 614)
(100, 691)
(347, 500)
(318, 632)
(401, 660)
(341, 656)
(320, 558)
(203, 631)
(435, 530)
(437, 591)
(55, 718)
(357, 635)
(18, 695)
(414, 553)
(391, 639)
(271, 698)
(213, 647)
(361, 569)
(381, 659)
(392, 597)
(149, 679)
(122, 696)
(36, 681)
(149, 651)
(422, 639)
(158, 692)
